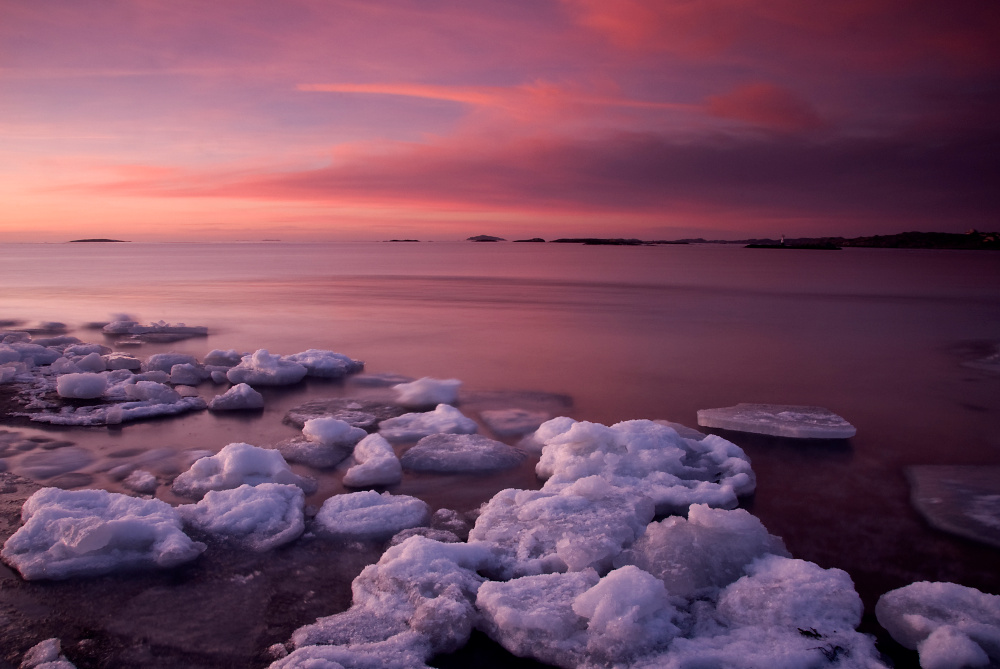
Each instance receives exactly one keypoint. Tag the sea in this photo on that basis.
(881, 337)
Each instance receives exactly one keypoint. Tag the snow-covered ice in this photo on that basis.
(141, 481)
(416, 602)
(263, 369)
(950, 625)
(444, 419)
(453, 453)
(325, 443)
(237, 464)
(583, 525)
(164, 362)
(704, 552)
(377, 464)
(90, 532)
(366, 414)
(259, 517)
(188, 374)
(238, 398)
(46, 655)
(370, 516)
(427, 391)
(326, 364)
(779, 420)
(223, 358)
(646, 458)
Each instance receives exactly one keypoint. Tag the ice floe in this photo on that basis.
(444, 419)
(961, 499)
(237, 464)
(370, 516)
(332, 432)
(238, 398)
(377, 464)
(427, 391)
(646, 458)
(779, 420)
(326, 364)
(461, 453)
(513, 422)
(259, 517)
(91, 532)
(949, 625)
(366, 414)
(263, 369)
(46, 655)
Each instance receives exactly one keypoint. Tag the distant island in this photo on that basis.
(533, 240)
(485, 238)
(784, 245)
(404, 240)
(88, 241)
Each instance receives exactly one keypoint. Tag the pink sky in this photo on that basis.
(342, 119)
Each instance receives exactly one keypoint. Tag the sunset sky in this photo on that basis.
(439, 119)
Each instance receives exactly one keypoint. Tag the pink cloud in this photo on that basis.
(767, 105)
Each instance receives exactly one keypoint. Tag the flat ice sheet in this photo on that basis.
(452, 453)
(779, 420)
(963, 500)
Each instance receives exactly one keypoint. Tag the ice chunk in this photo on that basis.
(263, 369)
(461, 453)
(38, 354)
(188, 374)
(151, 391)
(141, 482)
(46, 655)
(377, 464)
(219, 358)
(81, 349)
(705, 552)
(326, 364)
(427, 392)
(780, 591)
(779, 420)
(88, 532)
(371, 516)
(241, 396)
(950, 625)
(583, 525)
(332, 432)
(312, 453)
(84, 385)
(417, 601)
(164, 362)
(647, 458)
(411, 426)
(533, 616)
(121, 361)
(260, 517)
(118, 413)
(962, 499)
(92, 362)
(237, 464)
(513, 422)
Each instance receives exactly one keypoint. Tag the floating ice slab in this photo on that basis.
(453, 453)
(513, 422)
(963, 500)
(188, 374)
(779, 420)
(91, 532)
(377, 464)
(326, 364)
(46, 655)
(237, 464)
(645, 458)
(416, 602)
(122, 361)
(141, 482)
(445, 419)
(238, 398)
(705, 552)
(113, 414)
(366, 414)
(164, 362)
(427, 392)
(950, 625)
(263, 369)
(312, 453)
(371, 516)
(584, 525)
(259, 517)
(220, 358)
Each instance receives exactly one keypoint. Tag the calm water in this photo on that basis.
(629, 332)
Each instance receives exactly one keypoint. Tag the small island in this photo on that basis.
(89, 241)
(485, 238)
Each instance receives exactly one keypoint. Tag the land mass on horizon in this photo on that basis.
(116, 241)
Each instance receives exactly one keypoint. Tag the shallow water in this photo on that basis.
(876, 336)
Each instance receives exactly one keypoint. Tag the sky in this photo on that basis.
(163, 120)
